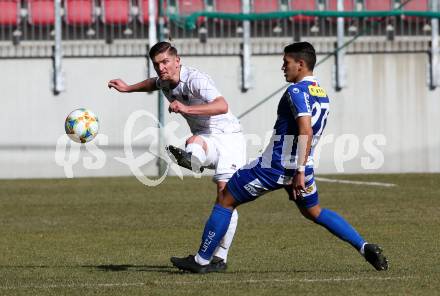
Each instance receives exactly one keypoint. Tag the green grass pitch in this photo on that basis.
(114, 236)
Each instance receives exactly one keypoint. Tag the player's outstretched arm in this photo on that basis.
(215, 107)
(144, 86)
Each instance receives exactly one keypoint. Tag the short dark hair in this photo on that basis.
(162, 47)
(302, 51)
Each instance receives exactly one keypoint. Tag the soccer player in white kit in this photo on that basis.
(217, 140)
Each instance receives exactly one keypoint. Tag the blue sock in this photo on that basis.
(339, 227)
(215, 229)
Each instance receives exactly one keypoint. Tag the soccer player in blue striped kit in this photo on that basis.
(287, 162)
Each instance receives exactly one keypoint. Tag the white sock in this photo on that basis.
(223, 248)
(362, 249)
(197, 151)
(200, 260)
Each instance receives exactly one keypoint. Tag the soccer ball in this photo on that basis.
(81, 125)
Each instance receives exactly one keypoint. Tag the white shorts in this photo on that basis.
(226, 154)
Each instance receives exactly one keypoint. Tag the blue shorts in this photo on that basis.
(249, 183)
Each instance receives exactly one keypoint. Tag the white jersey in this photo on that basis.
(197, 88)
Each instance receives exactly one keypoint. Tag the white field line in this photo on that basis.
(355, 182)
(250, 281)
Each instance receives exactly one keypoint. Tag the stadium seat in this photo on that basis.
(303, 5)
(41, 12)
(378, 4)
(333, 5)
(419, 5)
(261, 6)
(116, 12)
(9, 12)
(228, 6)
(79, 12)
(144, 11)
(187, 7)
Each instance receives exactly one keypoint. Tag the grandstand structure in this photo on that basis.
(96, 28)
(379, 59)
(92, 22)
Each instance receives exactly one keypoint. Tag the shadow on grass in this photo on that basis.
(172, 270)
(106, 268)
(130, 267)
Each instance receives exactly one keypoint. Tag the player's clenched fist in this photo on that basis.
(178, 107)
(119, 85)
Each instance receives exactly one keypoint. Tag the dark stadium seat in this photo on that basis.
(229, 6)
(303, 5)
(41, 12)
(9, 12)
(333, 5)
(116, 12)
(260, 6)
(79, 12)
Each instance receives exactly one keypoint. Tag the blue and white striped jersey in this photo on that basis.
(305, 98)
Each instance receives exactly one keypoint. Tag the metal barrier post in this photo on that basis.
(435, 52)
(58, 81)
(246, 50)
(339, 72)
(162, 165)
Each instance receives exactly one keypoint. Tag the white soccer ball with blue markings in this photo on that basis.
(82, 125)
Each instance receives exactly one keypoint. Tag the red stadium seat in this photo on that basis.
(9, 12)
(378, 4)
(333, 5)
(261, 6)
(144, 11)
(79, 12)
(116, 12)
(228, 6)
(416, 5)
(303, 5)
(187, 7)
(41, 12)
